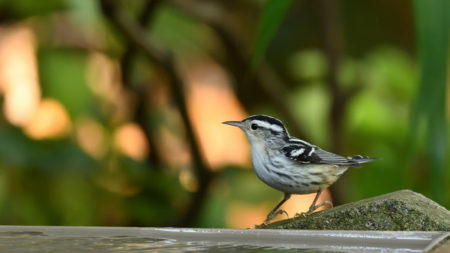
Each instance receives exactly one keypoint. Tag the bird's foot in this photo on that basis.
(314, 208)
(302, 214)
(270, 217)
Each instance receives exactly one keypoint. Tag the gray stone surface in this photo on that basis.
(132, 239)
(403, 210)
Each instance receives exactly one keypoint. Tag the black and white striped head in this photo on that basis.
(260, 128)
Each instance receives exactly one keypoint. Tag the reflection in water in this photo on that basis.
(40, 242)
(128, 239)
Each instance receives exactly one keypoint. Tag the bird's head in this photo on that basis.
(260, 128)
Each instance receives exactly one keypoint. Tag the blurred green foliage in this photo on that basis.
(433, 32)
(72, 92)
(271, 18)
(398, 112)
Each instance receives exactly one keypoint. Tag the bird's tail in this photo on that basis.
(358, 159)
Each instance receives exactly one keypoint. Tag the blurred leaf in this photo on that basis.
(160, 199)
(63, 77)
(86, 11)
(312, 103)
(184, 36)
(28, 210)
(433, 29)
(272, 16)
(373, 117)
(372, 114)
(245, 186)
(3, 187)
(72, 196)
(308, 65)
(27, 8)
(348, 72)
(392, 72)
(214, 212)
(17, 150)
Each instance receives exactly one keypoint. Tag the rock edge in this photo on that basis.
(402, 210)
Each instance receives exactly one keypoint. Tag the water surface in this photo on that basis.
(118, 239)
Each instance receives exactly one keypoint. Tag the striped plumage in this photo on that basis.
(289, 164)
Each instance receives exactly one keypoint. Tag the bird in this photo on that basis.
(289, 164)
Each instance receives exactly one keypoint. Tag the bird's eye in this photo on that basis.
(254, 126)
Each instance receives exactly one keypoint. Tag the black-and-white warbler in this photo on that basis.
(289, 164)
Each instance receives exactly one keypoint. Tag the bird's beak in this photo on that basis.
(234, 123)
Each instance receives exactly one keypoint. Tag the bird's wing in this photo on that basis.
(303, 152)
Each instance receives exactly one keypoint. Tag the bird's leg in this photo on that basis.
(313, 206)
(274, 211)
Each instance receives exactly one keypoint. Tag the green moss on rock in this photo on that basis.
(403, 210)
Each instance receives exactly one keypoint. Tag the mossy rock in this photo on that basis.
(403, 210)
